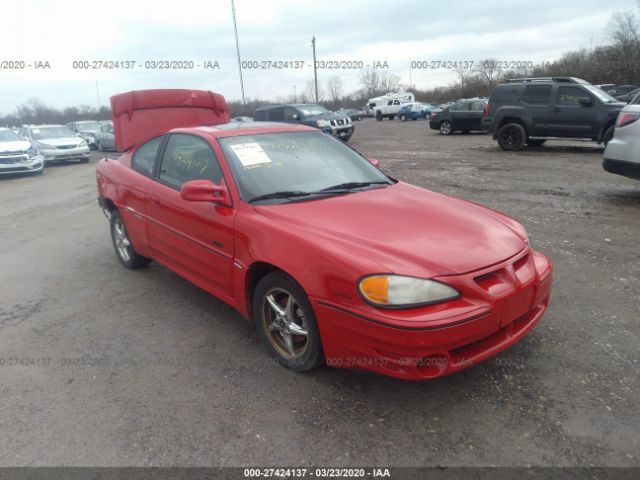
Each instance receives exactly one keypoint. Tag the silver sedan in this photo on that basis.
(622, 155)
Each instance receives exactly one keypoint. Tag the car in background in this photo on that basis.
(317, 116)
(18, 155)
(623, 92)
(389, 105)
(622, 154)
(105, 138)
(86, 129)
(462, 116)
(413, 111)
(331, 259)
(629, 96)
(242, 119)
(353, 113)
(530, 110)
(56, 143)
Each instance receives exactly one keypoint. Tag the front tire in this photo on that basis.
(286, 323)
(125, 252)
(403, 117)
(379, 116)
(99, 146)
(511, 137)
(445, 127)
(608, 135)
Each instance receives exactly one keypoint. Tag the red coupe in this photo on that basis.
(333, 260)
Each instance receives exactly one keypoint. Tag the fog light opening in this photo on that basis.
(433, 365)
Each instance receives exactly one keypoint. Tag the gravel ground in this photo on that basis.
(106, 367)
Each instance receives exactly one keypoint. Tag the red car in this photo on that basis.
(332, 259)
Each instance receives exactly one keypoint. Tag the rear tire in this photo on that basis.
(379, 116)
(286, 323)
(125, 252)
(511, 137)
(403, 117)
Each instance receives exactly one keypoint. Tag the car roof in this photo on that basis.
(232, 129)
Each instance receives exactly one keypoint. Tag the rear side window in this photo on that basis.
(505, 94)
(571, 96)
(276, 114)
(537, 94)
(635, 100)
(144, 158)
(478, 106)
(260, 115)
(186, 158)
(459, 107)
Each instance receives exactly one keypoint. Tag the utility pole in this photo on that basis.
(235, 29)
(295, 98)
(98, 95)
(410, 86)
(315, 70)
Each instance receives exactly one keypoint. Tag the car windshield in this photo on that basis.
(601, 94)
(8, 136)
(310, 110)
(88, 126)
(40, 133)
(302, 162)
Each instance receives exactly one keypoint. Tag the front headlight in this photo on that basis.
(323, 123)
(348, 119)
(83, 143)
(395, 291)
(32, 152)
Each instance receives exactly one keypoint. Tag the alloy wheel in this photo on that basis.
(284, 323)
(121, 240)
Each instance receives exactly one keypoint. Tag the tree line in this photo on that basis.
(617, 61)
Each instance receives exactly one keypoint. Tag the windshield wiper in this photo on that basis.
(281, 194)
(351, 185)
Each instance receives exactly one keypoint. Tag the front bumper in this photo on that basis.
(441, 340)
(20, 164)
(344, 131)
(59, 154)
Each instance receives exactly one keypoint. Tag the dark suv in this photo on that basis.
(308, 114)
(530, 110)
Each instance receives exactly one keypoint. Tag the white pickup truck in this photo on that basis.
(389, 105)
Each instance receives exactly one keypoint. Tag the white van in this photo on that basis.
(389, 105)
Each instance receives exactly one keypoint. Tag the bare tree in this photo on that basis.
(369, 82)
(389, 82)
(489, 71)
(335, 89)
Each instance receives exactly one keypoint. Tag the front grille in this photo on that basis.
(66, 147)
(13, 159)
(338, 123)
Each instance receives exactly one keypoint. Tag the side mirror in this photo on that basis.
(205, 191)
(295, 116)
(586, 101)
(374, 162)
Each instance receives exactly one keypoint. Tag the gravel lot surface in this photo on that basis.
(101, 366)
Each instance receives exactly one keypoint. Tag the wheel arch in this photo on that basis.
(256, 272)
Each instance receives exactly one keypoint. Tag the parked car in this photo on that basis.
(56, 143)
(308, 114)
(332, 259)
(105, 138)
(389, 105)
(413, 111)
(463, 116)
(242, 119)
(627, 97)
(622, 154)
(353, 113)
(18, 155)
(530, 110)
(86, 129)
(622, 92)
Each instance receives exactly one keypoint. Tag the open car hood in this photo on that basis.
(143, 114)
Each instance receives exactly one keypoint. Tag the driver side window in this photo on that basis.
(186, 158)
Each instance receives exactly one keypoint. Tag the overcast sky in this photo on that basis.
(202, 30)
